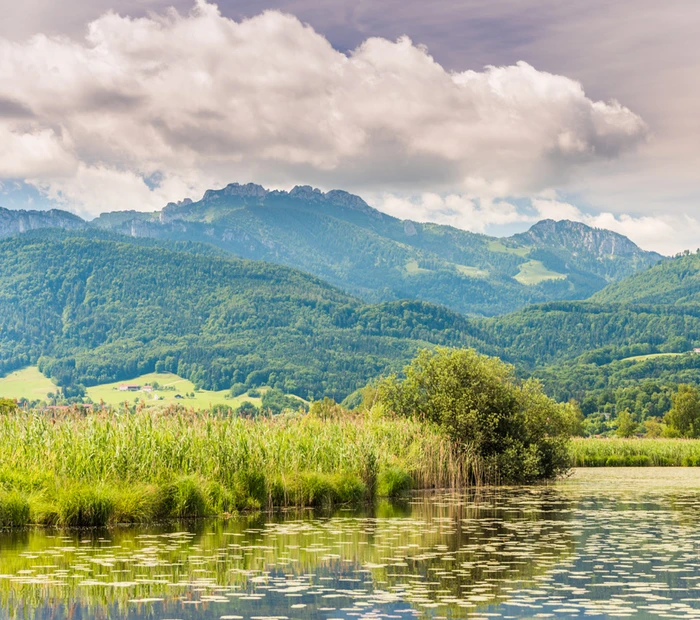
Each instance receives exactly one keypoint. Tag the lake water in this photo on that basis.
(604, 543)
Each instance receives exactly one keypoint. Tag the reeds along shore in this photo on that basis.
(97, 469)
(614, 452)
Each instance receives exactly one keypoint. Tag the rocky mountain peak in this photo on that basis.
(576, 236)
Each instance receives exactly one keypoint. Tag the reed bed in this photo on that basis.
(115, 467)
(634, 452)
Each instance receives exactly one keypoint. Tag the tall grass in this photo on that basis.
(125, 467)
(599, 452)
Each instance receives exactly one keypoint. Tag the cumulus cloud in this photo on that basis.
(196, 100)
(468, 213)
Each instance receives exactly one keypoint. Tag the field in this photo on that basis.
(649, 356)
(595, 452)
(498, 246)
(534, 272)
(174, 385)
(27, 383)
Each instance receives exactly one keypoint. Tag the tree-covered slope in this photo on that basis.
(675, 281)
(341, 239)
(91, 308)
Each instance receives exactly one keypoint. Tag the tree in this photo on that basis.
(507, 425)
(626, 426)
(653, 428)
(684, 416)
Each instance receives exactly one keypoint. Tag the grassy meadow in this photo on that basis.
(29, 383)
(26, 383)
(110, 467)
(170, 386)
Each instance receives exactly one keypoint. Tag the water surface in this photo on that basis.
(619, 542)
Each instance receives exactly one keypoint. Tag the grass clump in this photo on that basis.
(112, 467)
(393, 482)
(85, 506)
(15, 510)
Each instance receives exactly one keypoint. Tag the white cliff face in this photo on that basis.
(14, 222)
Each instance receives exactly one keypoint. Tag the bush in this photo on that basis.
(514, 431)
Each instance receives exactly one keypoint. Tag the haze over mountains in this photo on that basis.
(371, 255)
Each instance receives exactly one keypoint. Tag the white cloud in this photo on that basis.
(454, 210)
(199, 100)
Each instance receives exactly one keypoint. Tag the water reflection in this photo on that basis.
(605, 543)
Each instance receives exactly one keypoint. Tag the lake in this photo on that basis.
(605, 542)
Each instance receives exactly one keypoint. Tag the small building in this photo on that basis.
(147, 388)
(129, 387)
(696, 350)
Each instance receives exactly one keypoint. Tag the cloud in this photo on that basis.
(455, 210)
(198, 100)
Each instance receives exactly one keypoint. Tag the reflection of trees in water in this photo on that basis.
(456, 550)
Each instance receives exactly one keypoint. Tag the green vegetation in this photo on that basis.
(510, 430)
(141, 467)
(593, 452)
(457, 418)
(674, 282)
(91, 309)
(168, 389)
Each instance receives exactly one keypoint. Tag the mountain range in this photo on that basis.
(376, 257)
(129, 293)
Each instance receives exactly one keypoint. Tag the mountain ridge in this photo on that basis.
(339, 237)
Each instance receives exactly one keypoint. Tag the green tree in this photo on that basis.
(509, 426)
(626, 425)
(684, 416)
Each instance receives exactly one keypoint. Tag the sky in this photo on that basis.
(484, 114)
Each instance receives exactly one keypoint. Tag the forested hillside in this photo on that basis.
(92, 308)
(672, 282)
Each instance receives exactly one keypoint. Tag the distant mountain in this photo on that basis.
(90, 307)
(675, 281)
(13, 222)
(337, 236)
(340, 238)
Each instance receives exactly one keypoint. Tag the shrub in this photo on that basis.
(515, 431)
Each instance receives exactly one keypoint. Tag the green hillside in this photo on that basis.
(92, 309)
(376, 257)
(675, 281)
